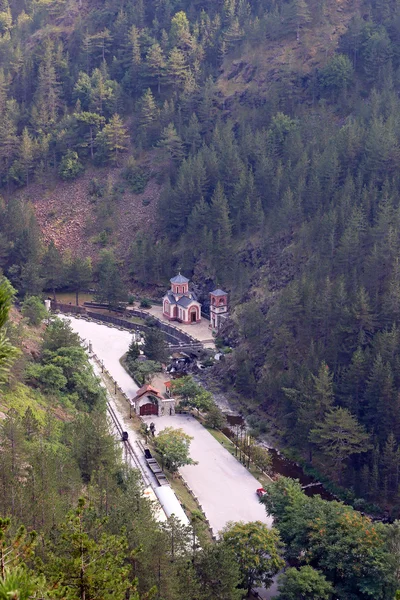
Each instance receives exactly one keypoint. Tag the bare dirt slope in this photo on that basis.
(67, 213)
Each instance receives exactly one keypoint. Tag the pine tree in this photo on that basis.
(172, 143)
(180, 33)
(148, 115)
(8, 137)
(176, 69)
(339, 436)
(52, 268)
(94, 122)
(79, 274)
(221, 226)
(115, 137)
(3, 91)
(155, 63)
(5, 17)
(87, 561)
(26, 153)
(45, 110)
(110, 288)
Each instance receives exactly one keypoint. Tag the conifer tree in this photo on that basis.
(176, 68)
(26, 153)
(87, 561)
(148, 115)
(79, 274)
(53, 268)
(45, 110)
(155, 63)
(115, 137)
(172, 143)
(110, 288)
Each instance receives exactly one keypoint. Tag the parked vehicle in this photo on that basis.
(260, 492)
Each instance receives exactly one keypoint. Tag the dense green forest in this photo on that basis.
(75, 524)
(285, 193)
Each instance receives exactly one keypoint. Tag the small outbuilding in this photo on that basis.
(149, 401)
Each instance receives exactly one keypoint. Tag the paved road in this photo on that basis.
(225, 489)
(109, 344)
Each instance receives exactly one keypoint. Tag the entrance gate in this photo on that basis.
(148, 409)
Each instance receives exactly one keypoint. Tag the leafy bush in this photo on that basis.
(96, 188)
(70, 166)
(145, 303)
(101, 238)
(34, 310)
(49, 377)
(142, 370)
(135, 176)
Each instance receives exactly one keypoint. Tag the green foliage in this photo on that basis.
(50, 377)
(155, 346)
(34, 310)
(110, 288)
(257, 549)
(79, 274)
(337, 74)
(135, 176)
(340, 436)
(70, 166)
(305, 583)
(8, 352)
(191, 394)
(59, 334)
(174, 447)
(261, 457)
(215, 418)
(321, 533)
(133, 351)
(87, 561)
(145, 303)
(143, 370)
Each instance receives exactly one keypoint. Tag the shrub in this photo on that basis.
(70, 166)
(135, 176)
(34, 310)
(145, 303)
(96, 188)
(49, 377)
(215, 418)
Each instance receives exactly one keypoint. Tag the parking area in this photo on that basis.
(225, 489)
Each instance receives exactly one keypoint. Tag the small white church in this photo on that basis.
(180, 304)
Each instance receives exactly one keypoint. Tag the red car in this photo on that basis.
(260, 492)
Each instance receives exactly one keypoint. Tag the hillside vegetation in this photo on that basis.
(271, 129)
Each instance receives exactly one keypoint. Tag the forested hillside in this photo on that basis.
(272, 130)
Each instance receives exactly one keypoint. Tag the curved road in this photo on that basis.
(224, 488)
(110, 344)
